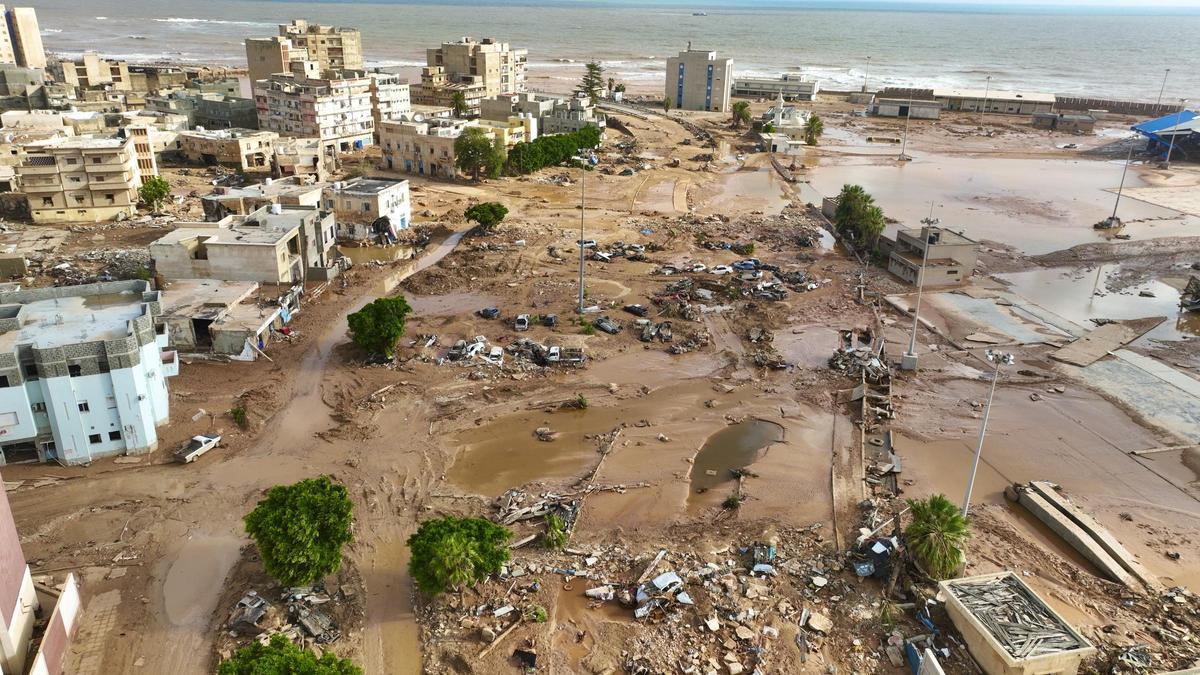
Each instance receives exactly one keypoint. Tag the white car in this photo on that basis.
(586, 243)
(698, 267)
(722, 269)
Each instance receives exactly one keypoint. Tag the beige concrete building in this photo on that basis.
(497, 66)
(390, 98)
(698, 80)
(331, 48)
(994, 100)
(21, 39)
(275, 244)
(245, 149)
(438, 89)
(361, 205)
(294, 191)
(82, 178)
(424, 147)
(143, 149)
(270, 55)
(91, 71)
(336, 108)
(951, 258)
(554, 114)
(301, 158)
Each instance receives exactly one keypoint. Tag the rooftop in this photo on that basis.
(260, 228)
(365, 186)
(69, 315)
(229, 304)
(947, 237)
(226, 134)
(270, 188)
(995, 95)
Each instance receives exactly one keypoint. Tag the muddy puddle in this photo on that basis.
(450, 303)
(734, 447)
(1036, 205)
(1068, 293)
(360, 255)
(750, 189)
(807, 346)
(195, 577)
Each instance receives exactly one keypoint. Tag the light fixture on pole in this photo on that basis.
(1113, 221)
(987, 89)
(1163, 87)
(904, 144)
(998, 358)
(866, 73)
(908, 360)
(1178, 121)
(584, 161)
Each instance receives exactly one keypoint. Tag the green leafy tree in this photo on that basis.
(592, 82)
(936, 535)
(768, 128)
(473, 152)
(458, 104)
(555, 536)
(551, 150)
(813, 129)
(281, 657)
(497, 159)
(620, 87)
(300, 530)
(378, 326)
(740, 113)
(857, 216)
(154, 192)
(487, 214)
(452, 552)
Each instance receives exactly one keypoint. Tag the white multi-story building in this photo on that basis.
(554, 114)
(83, 373)
(698, 80)
(334, 107)
(361, 205)
(792, 86)
(390, 98)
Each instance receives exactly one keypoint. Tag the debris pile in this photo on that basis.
(1019, 622)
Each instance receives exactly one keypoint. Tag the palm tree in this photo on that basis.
(936, 535)
(813, 129)
(458, 104)
(741, 113)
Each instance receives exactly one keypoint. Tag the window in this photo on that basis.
(79, 200)
(3, 381)
(72, 161)
(114, 435)
(75, 370)
(110, 197)
(94, 438)
(366, 207)
(39, 407)
(84, 407)
(30, 370)
(102, 366)
(47, 201)
(95, 160)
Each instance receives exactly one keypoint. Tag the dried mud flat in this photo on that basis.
(161, 549)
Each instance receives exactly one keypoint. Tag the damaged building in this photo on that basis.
(950, 260)
(236, 319)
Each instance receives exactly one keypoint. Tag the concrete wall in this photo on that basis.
(16, 589)
(60, 631)
(228, 262)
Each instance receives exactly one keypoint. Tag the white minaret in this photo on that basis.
(779, 111)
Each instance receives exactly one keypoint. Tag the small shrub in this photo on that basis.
(238, 413)
(538, 614)
(581, 401)
(555, 536)
(588, 328)
(731, 502)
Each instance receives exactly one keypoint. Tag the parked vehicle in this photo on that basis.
(522, 322)
(550, 320)
(747, 264)
(602, 256)
(607, 325)
(721, 269)
(637, 310)
(698, 267)
(586, 243)
(753, 275)
(489, 312)
(196, 447)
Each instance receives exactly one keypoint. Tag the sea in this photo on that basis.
(1080, 50)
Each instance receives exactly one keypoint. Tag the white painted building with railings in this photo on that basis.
(83, 372)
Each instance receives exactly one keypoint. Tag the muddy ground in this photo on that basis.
(161, 550)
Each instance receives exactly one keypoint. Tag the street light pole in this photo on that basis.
(987, 89)
(1113, 220)
(582, 182)
(866, 73)
(907, 119)
(1178, 121)
(998, 358)
(909, 360)
(1163, 87)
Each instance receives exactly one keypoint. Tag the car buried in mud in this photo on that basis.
(607, 325)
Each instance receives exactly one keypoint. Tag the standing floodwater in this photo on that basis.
(734, 447)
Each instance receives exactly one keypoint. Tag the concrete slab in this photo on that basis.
(1096, 344)
(1075, 535)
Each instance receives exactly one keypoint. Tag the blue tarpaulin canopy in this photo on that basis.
(1182, 128)
(1152, 127)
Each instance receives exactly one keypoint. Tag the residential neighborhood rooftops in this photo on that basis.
(207, 299)
(260, 228)
(56, 317)
(945, 237)
(365, 186)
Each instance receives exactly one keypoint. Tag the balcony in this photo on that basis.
(170, 363)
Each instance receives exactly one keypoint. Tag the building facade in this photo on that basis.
(82, 379)
(21, 38)
(301, 157)
(698, 80)
(554, 114)
(438, 89)
(18, 599)
(270, 55)
(361, 204)
(391, 98)
(335, 108)
(91, 71)
(81, 178)
(498, 67)
(331, 47)
(207, 110)
(995, 101)
(792, 86)
(951, 258)
(245, 149)
(422, 147)
(915, 108)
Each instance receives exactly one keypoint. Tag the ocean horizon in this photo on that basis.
(1099, 51)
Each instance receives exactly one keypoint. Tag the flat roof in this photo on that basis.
(226, 134)
(72, 319)
(366, 186)
(996, 95)
(204, 298)
(245, 230)
(947, 237)
(276, 188)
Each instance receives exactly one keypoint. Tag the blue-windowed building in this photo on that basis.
(698, 80)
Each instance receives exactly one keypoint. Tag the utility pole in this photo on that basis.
(998, 358)
(1114, 221)
(987, 89)
(1178, 121)
(866, 73)
(908, 361)
(904, 144)
(582, 181)
(1163, 87)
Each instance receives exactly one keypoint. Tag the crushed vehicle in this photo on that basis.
(489, 312)
(601, 256)
(550, 320)
(660, 593)
(607, 325)
(586, 243)
(637, 310)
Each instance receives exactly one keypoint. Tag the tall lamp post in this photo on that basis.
(866, 73)
(1163, 87)
(904, 144)
(987, 89)
(999, 359)
(583, 160)
(1178, 121)
(908, 361)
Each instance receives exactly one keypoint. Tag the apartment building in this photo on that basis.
(143, 136)
(293, 191)
(950, 259)
(91, 71)
(83, 372)
(245, 149)
(424, 147)
(554, 114)
(331, 48)
(21, 38)
(368, 208)
(300, 158)
(270, 55)
(438, 89)
(19, 603)
(154, 78)
(275, 244)
(515, 129)
(698, 80)
(80, 178)
(498, 67)
(335, 107)
(390, 98)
